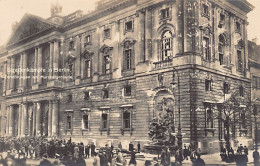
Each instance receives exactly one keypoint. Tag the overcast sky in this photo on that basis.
(13, 10)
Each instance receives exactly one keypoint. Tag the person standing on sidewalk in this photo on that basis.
(256, 158)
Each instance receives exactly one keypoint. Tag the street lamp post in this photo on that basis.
(179, 133)
(255, 114)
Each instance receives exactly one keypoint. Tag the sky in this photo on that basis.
(13, 10)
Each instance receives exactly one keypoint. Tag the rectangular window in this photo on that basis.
(165, 13)
(241, 91)
(87, 68)
(71, 45)
(238, 27)
(105, 94)
(226, 88)
(126, 120)
(208, 86)
(205, 10)
(206, 49)
(107, 33)
(85, 121)
(129, 26)
(221, 59)
(127, 90)
(87, 40)
(254, 82)
(209, 117)
(128, 59)
(221, 20)
(70, 98)
(106, 64)
(71, 70)
(86, 95)
(243, 120)
(104, 121)
(69, 122)
(239, 60)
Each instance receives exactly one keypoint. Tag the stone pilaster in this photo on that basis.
(7, 120)
(24, 120)
(35, 65)
(5, 78)
(38, 119)
(12, 80)
(39, 67)
(24, 70)
(78, 58)
(50, 118)
(34, 119)
(51, 59)
(11, 120)
(141, 37)
(55, 118)
(21, 73)
(148, 34)
(19, 125)
(56, 57)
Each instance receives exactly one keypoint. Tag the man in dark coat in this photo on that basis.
(87, 151)
(131, 146)
(256, 158)
(92, 147)
(199, 161)
(138, 147)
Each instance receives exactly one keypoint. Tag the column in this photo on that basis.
(35, 65)
(5, 77)
(12, 80)
(56, 52)
(51, 59)
(77, 61)
(38, 119)
(21, 73)
(24, 120)
(24, 69)
(39, 67)
(7, 119)
(19, 125)
(34, 110)
(55, 118)
(11, 120)
(50, 119)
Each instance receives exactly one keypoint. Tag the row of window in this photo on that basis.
(127, 92)
(104, 120)
(226, 87)
(256, 82)
(209, 115)
(206, 13)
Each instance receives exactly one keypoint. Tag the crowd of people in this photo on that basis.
(70, 153)
(240, 156)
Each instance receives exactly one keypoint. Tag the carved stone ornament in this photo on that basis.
(87, 54)
(70, 58)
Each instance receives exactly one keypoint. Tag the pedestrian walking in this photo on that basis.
(138, 147)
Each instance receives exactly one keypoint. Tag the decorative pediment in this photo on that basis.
(70, 58)
(87, 54)
(128, 42)
(207, 28)
(30, 25)
(105, 48)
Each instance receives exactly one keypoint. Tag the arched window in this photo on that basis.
(166, 45)
(221, 49)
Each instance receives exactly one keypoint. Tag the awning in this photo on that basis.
(85, 109)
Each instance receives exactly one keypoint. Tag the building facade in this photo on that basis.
(254, 65)
(104, 76)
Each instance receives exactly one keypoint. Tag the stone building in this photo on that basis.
(254, 66)
(103, 76)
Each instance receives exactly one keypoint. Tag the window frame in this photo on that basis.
(86, 95)
(67, 114)
(107, 33)
(126, 29)
(206, 49)
(105, 93)
(226, 87)
(105, 111)
(208, 85)
(239, 61)
(85, 111)
(87, 40)
(71, 45)
(127, 109)
(238, 27)
(205, 11)
(164, 51)
(70, 98)
(125, 91)
(88, 68)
